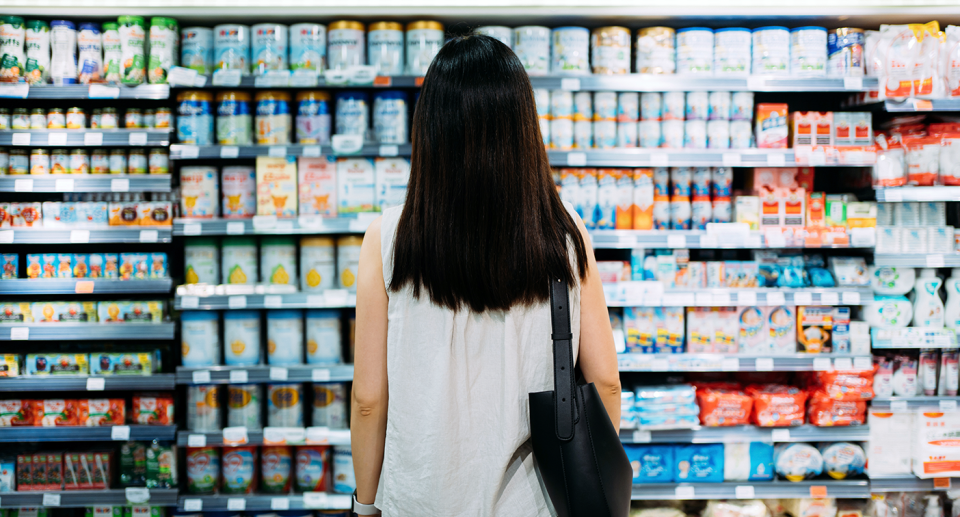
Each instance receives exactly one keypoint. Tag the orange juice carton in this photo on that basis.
(391, 178)
(277, 186)
(356, 185)
(793, 202)
(643, 199)
(771, 124)
(318, 186)
(816, 209)
(624, 216)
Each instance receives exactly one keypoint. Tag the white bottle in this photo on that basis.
(933, 508)
(951, 312)
(63, 43)
(927, 307)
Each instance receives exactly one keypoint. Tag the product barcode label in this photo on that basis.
(51, 499)
(320, 375)
(136, 495)
(843, 363)
(21, 139)
(63, 185)
(238, 376)
(20, 334)
(273, 301)
(764, 364)
(57, 139)
(278, 374)
(576, 159)
(237, 302)
(279, 503)
(236, 504)
(149, 235)
(96, 384)
(278, 151)
(201, 377)
(775, 299)
(776, 160)
(822, 364)
(851, 298)
(138, 138)
(780, 435)
(120, 432)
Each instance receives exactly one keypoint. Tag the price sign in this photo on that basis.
(802, 299)
(346, 144)
(684, 492)
(576, 159)
(310, 151)
(136, 495)
(23, 185)
(948, 406)
(235, 435)
(120, 185)
(57, 139)
(764, 364)
(149, 236)
(187, 152)
(935, 260)
(320, 375)
(229, 151)
(775, 298)
(676, 241)
(201, 377)
(51, 500)
(818, 491)
(238, 376)
(63, 185)
(747, 298)
(822, 364)
(21, 139)
(660, 159)
(730, 364)
(278, 151)
(336, 297)
(862, 363)
(843, 363)
(84, 286)
(79, 236)
(189, 302)
(236, 504)
(570, 84)
(138, 139)
(829, 299)
(745, 492)
(193, 505)
(851, 298)
(389, 150)
(197, 440)
(273, 301)
(898, 406)
(96, 384)
(780, 435)
(315, 499)
(776, 160)
(226, 77)
(279, 503)
(709, 241)
(237, 302)
(853, 83)
(93, 139)
(99, 91)
(731, 159)
(120, 432)
(642, 437)
(278, 374)
(235, 228)
(942, 483)
(721, 299)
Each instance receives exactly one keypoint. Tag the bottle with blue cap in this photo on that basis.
(390, 117)
(90, 58)
(63, 43)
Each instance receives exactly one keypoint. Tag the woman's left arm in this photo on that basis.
(368, 427)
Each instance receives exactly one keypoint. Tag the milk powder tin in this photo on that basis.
(194, 120)
(673, 106)
(845, 52)
(203, 470)
(626, 134)
(719, 105)
(385, 48)
(348, 261)
(741, 106)
(628, 107)
(570, 48)
(318, 264)
(731, 51)
(79, 162)
(164, 48)
(531, 44)
(610, 50)
(582, 106)
(718, 134)
(198, 191)
(196, 49)
(200, 332)
(276, 464)
(497, 32)
(231, 47)
(583, 134)
(771, 51)
(239, 470)
(273, 124)
(741, 134)
(203, 408)
(345, 44)
(201, 261)
(649, 133)
(239, 261)
(284, 405)
(323, 337)
(695, 50)
(808, 52)
(330, 405)
(656, 53)
(313, 117)
(278, 260)
(243, 404)
(353, 113)
(239, 184)
(605, 106)
(561, 104)
(695, 134)
(284, 337)
(308, 47)
(268, 48)
(234, 122)
(390, 117)
(672, 133)
(241, 335)
(605, 134)
(698, 105)
(344, 481)
(311, 468)
(424, 39)
(651, 105)
(561, 134)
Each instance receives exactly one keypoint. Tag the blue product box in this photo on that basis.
(699, 463)
(9, 265)
(64, 265)
(651, 463)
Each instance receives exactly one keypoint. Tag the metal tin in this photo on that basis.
(353, 113)
(278, 261)
(312, 466)
(137, 162)
(698, 105)
(561, 104)
(284, 337)
(626, 134)
(39, 161)
(59, 161)
(348, 261)
(284, 405)
(718, 134)
(672, 134)
(268, 49)
(718, 105)
(741, 134)
(238, 260)
(656, 53)
(234, 122)
(199, 195)
(276, 466)
(159, 161)
(570, 50)
(731, 51)
(201, 265)
(531, 44)
(673, 106)
(385, 48)
(497, 32)
(649, 133)
(194, 117)
(605, 106)
(196, 49)
(239, 185)
(604, 134)
(741, 106)
(243, 403)
(390, 117)
(56, 119)
(808, 52)
(845, 52)
(118, 161)
(308, 47)
(76, 118)
(241, 334)
(239, 470)
(628, 107)
(695, 134)
(203, 470)
(771, 51)
(330, 405)
(582, 105)
(610, 50)
(345, 44)
(231, 48)
(200, 335)
(651, 106)
(79, 162)
(582, 134)
(318, 264)
(561, 134)
(203, 408)
(695, 50)
(344, 480)
(424, 39)
(324, 337)
(313, 117)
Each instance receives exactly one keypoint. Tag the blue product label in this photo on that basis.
(836, 43)
(268, 107)
(312, 108)
(310, 469)
(231, 108)
(237, 470)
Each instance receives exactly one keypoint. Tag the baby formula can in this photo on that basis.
(198, 191)
(531, 44)
(651, 106)
(680, 181)
(37, 63)
(808, 52)
(571, 50)
(330, 405)
(99, 162)
(661, 213)
(203, 470)
(194, 117)
(39, 161)
(273, 121)
(312, 465)
(318, 264)
(59, 161)
(741, 106)
(628, 107)
(203, 408)
(344, 481)
(605, 134)
(239, 470)
(201, 261)
(424, 39)
(583, 134)
(239, 260)
(234, 122)
(353, 113)
(741, 134)
(313, 117)
(731, 51)
(19, 162)
(308, 47)
(649, 133)
(112, 52)
(701, 213)
(284, 405)
(771, 51)
(561, 134)
(673, 106)
(721, 181)
(680, 213)
(385, 48)
(348, 260)
(56, 119)
(241, 333)
(542, 98)
(845, 52)
(268, 47)
(610, 50)
(278, 260)
(323, 337)
(390, 117)
(231, 47)
(582, 106)
(719, 105)
(276, 465)
(605, 106)
(239, 185)
(695, 50)
(498, 32)
(196, 49)
(63, 52)
(345, 44)
(626, 134)
(79, 162)
(672, 134)
(118, 165)
(718, 134)
(284, 337)
(656, 53)
(695, 134)
(200, 331)
(164, 48)
(133, 60)
(700, 183)
(243, 404)
(721, 210)
(4, 162)
(545, 130)
(90, 50)
(661, 182)
(561, 104)
(698, 105)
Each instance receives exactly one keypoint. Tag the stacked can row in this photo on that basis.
(76, 118)
(284, 406)
(77, 161)
(92, 211)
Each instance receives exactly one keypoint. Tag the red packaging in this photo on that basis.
(39, 481)
(56, 413)
(275, 467)
(100, 412)
(825, 412)
(776, 405)
(153, 409)
(54, 471)
(24, 472)
(17, 413)
(312, 469)
(854, 385)
(723, 407)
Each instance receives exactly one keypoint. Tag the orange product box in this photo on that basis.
(624, 216)
(15, 413)
(124, 213)
(811, 128)
(776, 405)
(101, 412)
(643, 199)
(54, 471)
(155, 213)
(770, 212)
(317, 186)
(771, 126)
(56, 412)
(153, 409)
(792, 205)
(816, 209)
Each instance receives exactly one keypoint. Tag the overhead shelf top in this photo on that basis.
(331, 299)
(84, 498)
(897, 194)
(921, 105)
(265, 436)
(85, 137)
(694, 82)
(756, 490)
(265, 373)
(656, 157)
(633, 294)
(303, 225)
(749, 433)
(202, 152)
(662, 239)
(256, 502)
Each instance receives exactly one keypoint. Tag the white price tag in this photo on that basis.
(802, 299)
(63, 185)
(304, 78)
(703, 299)
(120, 432)
(182, 76)
(660, 365)
(149, 235)
(278, 374)
(57, 139)
(196, 440)
(238, 377)
(336, 297)
(756, 83)
(571, 84)
(23, 185)
(709, 241)
(346, 144)
(192, 229)
(273, 301)
(277, 151)
(93, 139)
(315, 499)
(310, 151)
(948, 405)
(776, 299)
(320, 375)
(776, 240)
(188, 152)
(201, 377)
(389, 150)
(16, 91)
(79, 236)
(264, 222)
(99, 91)
(898, 406)
(120, 185)
(279, 503)
(51, 499)
(853, 83)
(763, 364)
(744, 492)
(721, 299)
(822, 364)
(21, 139)
(731, 159)
(226, 77)
(843, 363)
(237, 302)
(851, 298)
(576, 159)
(817, 158)
(730, 364)
(137, 495)
(193, 505)
(138, 138)
(229, 151)
(235, 228)
(318, 435)
(236, 504)
(747, 298)
(189, 302)
(862, 363)
(660, 159)
(891, 195)
(829, 299)
(310, 221)
(19, 333)
(235, 435)
(776, 160)
(96, 384)
(676, 241)
(684, 492)
(642, 437)
(780, 435)
(336, 76)
(935, 260)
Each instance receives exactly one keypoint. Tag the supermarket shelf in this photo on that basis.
(913, 105)
(686, 83)
(86, 434)
(83, 498)
(86, 137)
(83, 91)
(274, 436)
(262, 374)
(203, 152)
(910, 484)
(901, 404)
(158, 381)
(332, 299)
(693, 239)
(633, 362)
(749, 433)
(86, 331)
(759, 490)
(33, 286)
(913, 337)
(647, 294)
(248, 81)
(640, 157)
(918, 260)
(86, 183)
(257, 502)
(895, 194)
(117, 234)
(304, 225)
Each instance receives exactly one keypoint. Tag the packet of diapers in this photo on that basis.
(699, 463)
(843, 459)
(678, 394)
(748, 461)
(651, 463)
(797, 461)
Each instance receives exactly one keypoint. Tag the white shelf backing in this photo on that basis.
(691, 239)
(206, 152)
(256, 502)
(629, 294)
(339, 300)
(85, 434)
(760, 490)
(744, 434)
(633, 362)
(157, 381)
(85, 138)
(31, 286)
(264, 374)
(86, 183)
(304, 225)
(687, 83)
(86, 331)
(84, 91)
(113, 234)
(897, 194)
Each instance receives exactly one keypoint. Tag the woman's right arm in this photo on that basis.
(598, 354)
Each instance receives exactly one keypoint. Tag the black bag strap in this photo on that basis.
(563, 367)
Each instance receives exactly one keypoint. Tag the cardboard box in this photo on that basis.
(16, 312)
(56, 364)
(130, 312)
(101, 412)
(811, 128)
(391, 178)
(9, 266)
(771, 126)
(816, 209)
(277, 186)
(318, 186)
(934, 452)
(815, 329)
(356, 185)
(792, 206)
(835, 210)
(861, 214)
(861, 124)
(747, 210)
(771, 211)
(57, 412)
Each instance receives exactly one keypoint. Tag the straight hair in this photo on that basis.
(482, 226)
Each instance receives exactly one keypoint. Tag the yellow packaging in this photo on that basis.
(124, 213)
(277, 186)
(9, 365)
(72, 312)
(15, 312)
(862, 214)
(130, 312)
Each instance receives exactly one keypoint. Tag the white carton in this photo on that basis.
(936, 452)
(392, 176)
(355, 185)
(888, 450)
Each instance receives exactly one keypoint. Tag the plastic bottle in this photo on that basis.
(91, 53)
(933, 508)
(948, 373)
(63, 62)
(112, 53)
(928, 372)
(133, 61)
(12, 35)
(38, 52)
(928, 308)
(951, 311)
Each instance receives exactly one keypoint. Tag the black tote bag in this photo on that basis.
(581, 459)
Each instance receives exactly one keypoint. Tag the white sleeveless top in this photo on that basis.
(458, 424)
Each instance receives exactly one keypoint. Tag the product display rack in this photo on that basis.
(658, 157)
(919, 105)
(157, 381)
(687, 83)
(263, 502)
(744, 434)
(87, 183)
(332, 299)
(31, 286)
(83, 91)
(904, 404)
(112, 234)
(84, 498)
(741, 363)
(628, 294)
(911, 484)
(86, 137)
(86, 331)
(304, 225)
(918, 260)
(757, 490)
(267, 436)
(689, 239)
(202, 152)
(86, 434)
(897, 194)
(264, 374)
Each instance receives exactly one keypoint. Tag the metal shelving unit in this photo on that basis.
(86, 183)
(896, 194)
(114, 234)
(86, 434)
(31, 286)
(332, 299)
(647, 157)
(85, 91)
(918, 260)
(248, 81)
(264, 374)
(86, 137)
(269, 436)
(757, 490)
(635, 296)
(744, 434)
(86, 331)
(902, 404)
(303, 225)
(264, 502)
(909, 484)
(690, 239)
(919, 105)
(687, 83)
(205, 152)
(83, 498)
(157, 381)
(632, 362)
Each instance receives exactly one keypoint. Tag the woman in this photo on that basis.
(453, 317)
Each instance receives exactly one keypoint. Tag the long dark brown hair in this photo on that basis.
(483, 225)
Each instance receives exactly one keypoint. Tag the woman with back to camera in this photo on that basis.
(453, 302)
